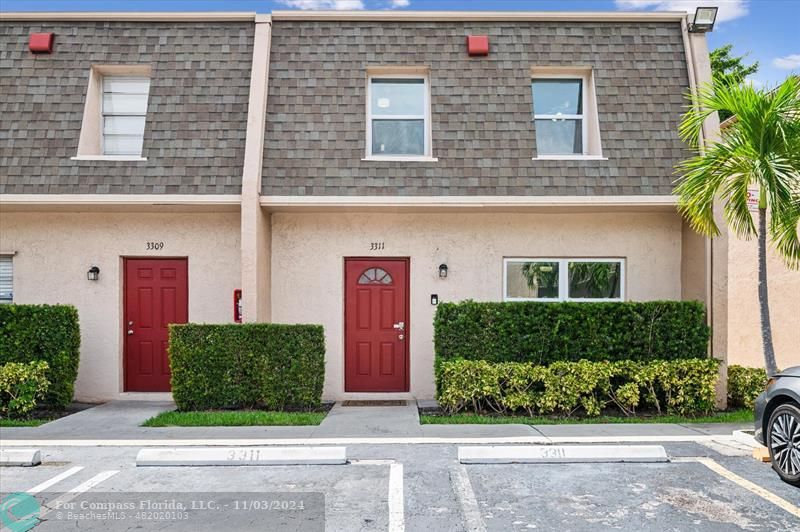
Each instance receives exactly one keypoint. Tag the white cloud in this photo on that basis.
(338, 5)
(728, 9)
(787, 63)
(756, 83)
(396, 4)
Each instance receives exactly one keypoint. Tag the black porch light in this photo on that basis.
(704, 18)
(93, 274)
(442, 271)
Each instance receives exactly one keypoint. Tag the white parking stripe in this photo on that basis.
(466, 497)
(56, 479)
(77, 490)
(396, 503)
(746, 484)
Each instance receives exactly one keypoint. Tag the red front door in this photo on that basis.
(376, 325)
(156, 294)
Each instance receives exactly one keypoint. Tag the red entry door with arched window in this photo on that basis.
(376, 325)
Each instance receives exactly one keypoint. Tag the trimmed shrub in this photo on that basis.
(744, 385)
(44, 332)
(247, 365)
(543, 333)
(21, 387)
(684, 387)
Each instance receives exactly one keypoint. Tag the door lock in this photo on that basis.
(400, 336)
(130, 332)
(400, 326)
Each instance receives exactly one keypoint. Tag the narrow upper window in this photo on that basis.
(124, 112)
(564, 279)
(398, 117)
(6, 279)
(558, 116)
(565, 113)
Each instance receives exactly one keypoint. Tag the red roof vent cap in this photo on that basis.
(41, 43)
(478, 44)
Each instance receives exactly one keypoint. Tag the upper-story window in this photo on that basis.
(124, 113)
(565, 113)
(558, 115)
(115, 113)
(398, 117)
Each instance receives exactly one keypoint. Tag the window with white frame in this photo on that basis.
(558, 115)
(6, 279)
(398, 116)
(124, 108)
(580, 279)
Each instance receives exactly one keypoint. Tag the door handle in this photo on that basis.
(400, 326)
(130, 332)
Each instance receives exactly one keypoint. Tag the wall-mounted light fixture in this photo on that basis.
(704, 18)
(442, 271)
(93, 274)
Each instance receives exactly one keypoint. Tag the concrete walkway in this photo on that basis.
(121, 420)
(370, 422)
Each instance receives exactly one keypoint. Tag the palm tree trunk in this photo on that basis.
(763, 294)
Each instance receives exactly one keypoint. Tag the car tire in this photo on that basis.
(783, 442)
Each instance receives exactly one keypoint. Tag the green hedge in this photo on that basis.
(248, 365)
(685, 387)
(543, 333)
(44, 332)
(744, 385)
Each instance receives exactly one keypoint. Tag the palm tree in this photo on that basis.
(761, 148)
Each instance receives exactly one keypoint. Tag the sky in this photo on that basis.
(766, 30)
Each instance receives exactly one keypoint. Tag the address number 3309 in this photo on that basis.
(154, 246)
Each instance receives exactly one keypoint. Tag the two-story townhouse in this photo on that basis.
(352, 169)
(121, 149)
(415, 158)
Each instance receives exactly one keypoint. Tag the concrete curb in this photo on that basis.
(241, 456)
(20, 457)
(560, 454)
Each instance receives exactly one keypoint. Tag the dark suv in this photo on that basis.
(778, 423)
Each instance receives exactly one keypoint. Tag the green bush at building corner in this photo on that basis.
(744, 385)
(22, 386)
(253, 365)
(49, 333)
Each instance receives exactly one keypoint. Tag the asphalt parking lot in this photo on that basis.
(410, 487)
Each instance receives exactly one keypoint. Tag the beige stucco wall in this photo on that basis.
(308, 251)
(54, 251)
(744, 325)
